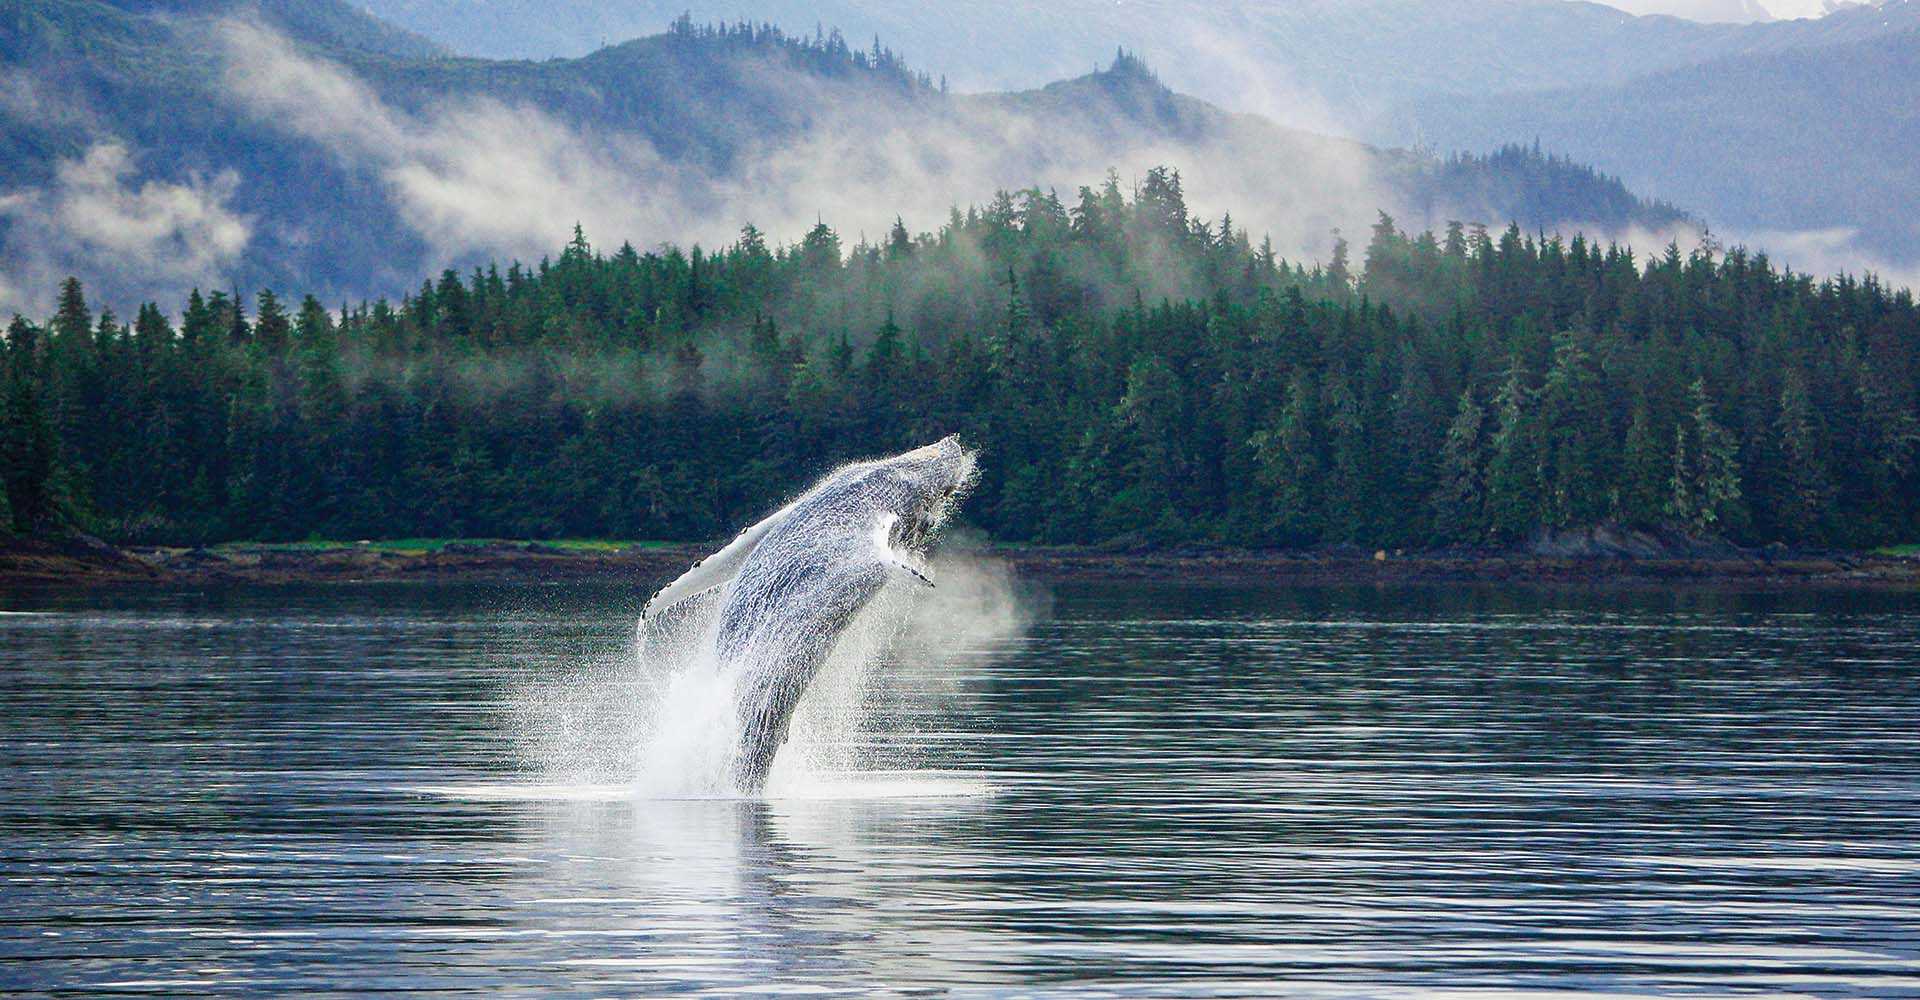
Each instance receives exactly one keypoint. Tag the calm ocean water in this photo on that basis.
(1156, 790)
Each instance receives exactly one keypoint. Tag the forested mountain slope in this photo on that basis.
(1458, 389)
(1350, 55)
(160, 145)
(1797, 134)
(1799, 140)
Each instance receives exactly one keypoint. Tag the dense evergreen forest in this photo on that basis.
(1130, 373)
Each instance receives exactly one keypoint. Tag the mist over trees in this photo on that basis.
(1745, 124)
(1132, 374)
(167, 144)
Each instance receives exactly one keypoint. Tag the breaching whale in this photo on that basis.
(775, 599)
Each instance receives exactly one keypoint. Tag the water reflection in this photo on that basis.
(1172, 791)
(720, 895)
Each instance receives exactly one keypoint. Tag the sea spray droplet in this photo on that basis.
(691, 741)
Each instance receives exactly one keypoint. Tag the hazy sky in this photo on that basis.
(1723, 10)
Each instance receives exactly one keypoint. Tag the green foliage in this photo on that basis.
(1459, 498)
(1706, 472)
(1513, 470)
(1576, 438)
(1804, 492)
(29, 446)
(1463, 390)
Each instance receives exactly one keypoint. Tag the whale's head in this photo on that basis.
(921, 488)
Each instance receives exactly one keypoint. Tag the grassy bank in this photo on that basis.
(427, 546)
(648, 563)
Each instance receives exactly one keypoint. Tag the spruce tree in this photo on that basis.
(1573, 420)
(1458, 500)
(1193, 387)
(1349, 489)
(1290, 466)
(272, 331)
(1887, 436)
(29, 441)
(1645, 471)
(1804, 489)
(1513, 468)
(1705, 488)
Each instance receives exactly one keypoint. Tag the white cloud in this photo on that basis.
(474, 175)
(1826, 252)
(1734, 11)
(1739, 11)
(1819, 253)
(95, 220)
(477, 176)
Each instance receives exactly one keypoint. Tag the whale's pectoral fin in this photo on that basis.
(894, 558)
(910, 571)
(714, 571)
(664, 631)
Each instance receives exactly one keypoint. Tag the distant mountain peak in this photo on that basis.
(1790, 10)
(1129, 65)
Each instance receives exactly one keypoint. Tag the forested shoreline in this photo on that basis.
(1130, 373)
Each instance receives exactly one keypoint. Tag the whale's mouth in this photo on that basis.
(907, 541)
(917, 532)
(914, 535)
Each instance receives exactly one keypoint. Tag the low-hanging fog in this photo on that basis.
(442, 171)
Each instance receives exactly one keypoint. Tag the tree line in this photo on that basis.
(1132, 374)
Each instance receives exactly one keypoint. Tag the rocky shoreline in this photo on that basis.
(86, 563)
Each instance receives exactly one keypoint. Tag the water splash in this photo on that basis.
(659, 720)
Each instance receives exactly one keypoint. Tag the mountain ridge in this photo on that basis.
(1424, 73)
(1847, 156)
(253, 156)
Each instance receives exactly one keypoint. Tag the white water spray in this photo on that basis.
(755, 671)
(660, 722)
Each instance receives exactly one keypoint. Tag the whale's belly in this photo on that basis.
(775, 632)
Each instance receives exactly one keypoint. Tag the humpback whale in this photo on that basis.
(770, 605)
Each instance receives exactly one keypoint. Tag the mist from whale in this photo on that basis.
(765, 612)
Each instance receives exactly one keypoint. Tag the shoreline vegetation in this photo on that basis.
(1154, 393)
(1138, 378)
(1595, 558)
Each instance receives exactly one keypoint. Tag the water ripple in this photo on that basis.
(1160, 792)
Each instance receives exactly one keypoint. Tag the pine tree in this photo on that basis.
(323, 404)
(1683, 500)
(1350, 488)
(1513, 469)
(72, 320)
(1339, 267)
(152, 334)
(1644, 470)
(1888, 435)
(29, 441)
(1192, 387)
(881, 377)
(1573, 420)
(272, 331)
(899, 241)
(1805, 490)
(1290, 464)
(1705, 488)
(1458, 500)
